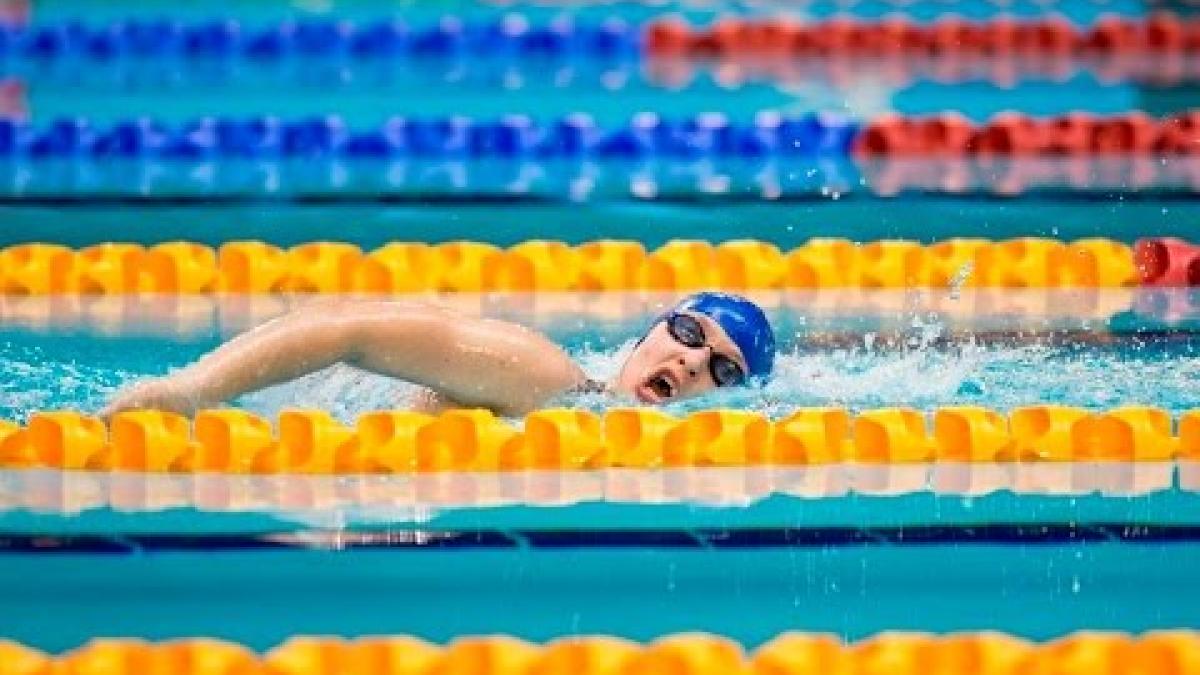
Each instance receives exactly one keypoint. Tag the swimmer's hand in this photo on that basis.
(168, 394)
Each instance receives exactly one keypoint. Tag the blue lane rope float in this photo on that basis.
(646, 135)
(319, 37)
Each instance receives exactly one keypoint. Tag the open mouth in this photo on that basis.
(658, 387)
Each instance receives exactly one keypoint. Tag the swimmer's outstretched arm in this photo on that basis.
(474, 362)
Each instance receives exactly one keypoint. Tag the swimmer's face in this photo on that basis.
(662, 369)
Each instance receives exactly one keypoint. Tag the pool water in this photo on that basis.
(263, 10)
(260, 597)
(369, 92)
(853, 214)
(870, 361)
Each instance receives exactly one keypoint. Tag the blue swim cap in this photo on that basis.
(744, 322)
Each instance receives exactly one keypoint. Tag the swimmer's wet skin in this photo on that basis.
(707, 340)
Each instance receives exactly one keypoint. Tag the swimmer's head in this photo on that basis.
(705, 341)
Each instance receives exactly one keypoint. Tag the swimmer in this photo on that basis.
(708, 340)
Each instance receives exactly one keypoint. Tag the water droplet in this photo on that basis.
(960, 279)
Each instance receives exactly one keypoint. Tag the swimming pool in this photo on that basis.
(732, 551)
(368, 123)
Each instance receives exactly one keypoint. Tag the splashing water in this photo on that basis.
(923, 369)
(345, 391)
(959, 281)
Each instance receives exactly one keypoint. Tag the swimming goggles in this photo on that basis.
(686, 330)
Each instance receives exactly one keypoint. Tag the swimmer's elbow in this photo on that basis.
(387, 332)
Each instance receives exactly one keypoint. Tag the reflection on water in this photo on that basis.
(1072, 180)
(330, 501)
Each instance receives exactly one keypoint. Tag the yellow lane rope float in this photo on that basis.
(391, 442)
(983, 653)
(546, 265)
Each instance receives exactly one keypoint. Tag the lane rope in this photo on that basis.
(189, 268)
(560, 439)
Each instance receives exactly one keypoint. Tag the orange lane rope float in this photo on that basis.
(982, 653)
(398, 442)
(608, 265)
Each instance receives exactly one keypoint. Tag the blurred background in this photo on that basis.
(406, 120)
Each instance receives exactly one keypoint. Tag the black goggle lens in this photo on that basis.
(725, 371)
(687, 330)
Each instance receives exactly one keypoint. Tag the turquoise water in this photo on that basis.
(368, 93)
(857, 360)
(262, 597)
(415, 10)
(920, 217)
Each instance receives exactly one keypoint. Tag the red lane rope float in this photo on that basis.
(1173, 652)
(14, 102)
(1167, 262)
(1161, 33)
(849, 70)
(1019, 135)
